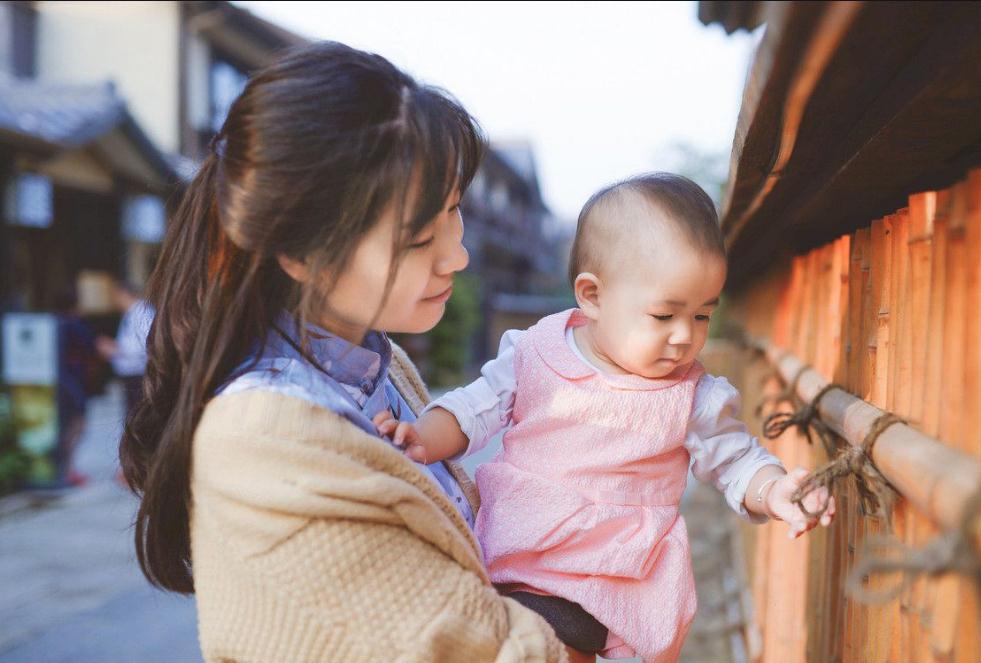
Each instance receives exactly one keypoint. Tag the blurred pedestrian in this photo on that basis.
(127, 352)
(77, 381)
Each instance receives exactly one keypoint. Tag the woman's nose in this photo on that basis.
(454, 257)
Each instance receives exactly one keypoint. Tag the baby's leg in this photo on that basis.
(575, 627)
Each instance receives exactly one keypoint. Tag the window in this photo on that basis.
(18, 39)
(227, 82)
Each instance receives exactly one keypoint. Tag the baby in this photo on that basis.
(605, 406)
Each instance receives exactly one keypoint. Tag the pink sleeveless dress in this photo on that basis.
(582, 500)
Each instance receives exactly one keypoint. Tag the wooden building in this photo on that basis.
(853, 224)
(104, 108)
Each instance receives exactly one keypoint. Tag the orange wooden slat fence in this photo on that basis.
(891, 312)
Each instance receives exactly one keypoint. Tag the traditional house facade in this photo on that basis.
(104, 108)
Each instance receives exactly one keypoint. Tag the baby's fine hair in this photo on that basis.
(684, 203)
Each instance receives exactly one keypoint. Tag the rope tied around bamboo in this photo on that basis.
(805, 419)
(786, 395)
(953, 551)
(874, 491)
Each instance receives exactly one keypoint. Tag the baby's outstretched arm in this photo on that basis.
(436, 435)
(770, 491)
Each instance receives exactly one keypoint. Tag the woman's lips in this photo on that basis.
(441, 297)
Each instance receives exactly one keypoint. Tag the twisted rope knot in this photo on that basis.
(786, 395)
(805, 419)
(856, 461)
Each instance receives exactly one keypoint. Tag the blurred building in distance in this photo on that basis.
(104, 108)
(518, 248)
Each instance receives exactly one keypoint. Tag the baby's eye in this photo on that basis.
(662, 317)
(702, 318)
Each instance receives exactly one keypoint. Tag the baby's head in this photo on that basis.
(647, 268)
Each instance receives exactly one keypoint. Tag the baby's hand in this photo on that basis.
(779, 504)
(402, 434)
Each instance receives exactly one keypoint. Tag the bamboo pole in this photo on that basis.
(936, 479)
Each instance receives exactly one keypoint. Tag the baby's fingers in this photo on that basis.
(829, 515)
(416, 452)
(404, 432)
(382, 417)
(385, 428)
(820, 501)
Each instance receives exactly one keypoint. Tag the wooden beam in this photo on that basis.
(893, 113)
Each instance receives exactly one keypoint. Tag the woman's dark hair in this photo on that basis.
(685, 204)
(315, 148)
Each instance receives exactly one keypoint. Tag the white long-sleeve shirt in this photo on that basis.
(130, 358)
(723, 451)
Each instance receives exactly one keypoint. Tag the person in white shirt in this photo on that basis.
(127, 352)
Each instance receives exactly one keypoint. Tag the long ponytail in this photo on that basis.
(197, 337)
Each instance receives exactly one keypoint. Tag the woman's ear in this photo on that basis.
(587, 291)
(296, 269)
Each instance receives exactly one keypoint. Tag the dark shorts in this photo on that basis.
(574, 626)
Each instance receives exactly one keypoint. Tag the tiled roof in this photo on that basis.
(60, 116)
(64, 115)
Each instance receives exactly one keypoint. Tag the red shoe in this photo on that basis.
(77, 479)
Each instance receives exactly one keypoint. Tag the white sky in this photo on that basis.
(602, 90)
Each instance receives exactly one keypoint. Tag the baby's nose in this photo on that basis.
(680, 335)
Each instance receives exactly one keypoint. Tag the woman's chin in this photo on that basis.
(423, 322)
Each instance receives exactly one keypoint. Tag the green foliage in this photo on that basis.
(14, 461)
(710, 170)
(719, 325)
(451, 339)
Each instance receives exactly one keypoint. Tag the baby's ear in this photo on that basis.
(587, 291)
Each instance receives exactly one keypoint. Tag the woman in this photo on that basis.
(326, 216)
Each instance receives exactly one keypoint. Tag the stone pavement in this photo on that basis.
(71, 588)
(717, 634)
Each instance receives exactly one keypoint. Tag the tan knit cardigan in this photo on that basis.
(314, 541)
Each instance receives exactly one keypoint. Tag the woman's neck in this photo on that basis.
(351, 333)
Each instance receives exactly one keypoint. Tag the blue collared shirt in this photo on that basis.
(351, 380)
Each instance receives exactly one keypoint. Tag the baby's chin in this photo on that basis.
(664, 369)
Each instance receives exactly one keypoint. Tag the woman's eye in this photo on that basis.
(423, 244)
(663, 317)
(702, 318)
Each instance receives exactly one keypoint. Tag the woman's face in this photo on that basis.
(424, 283)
